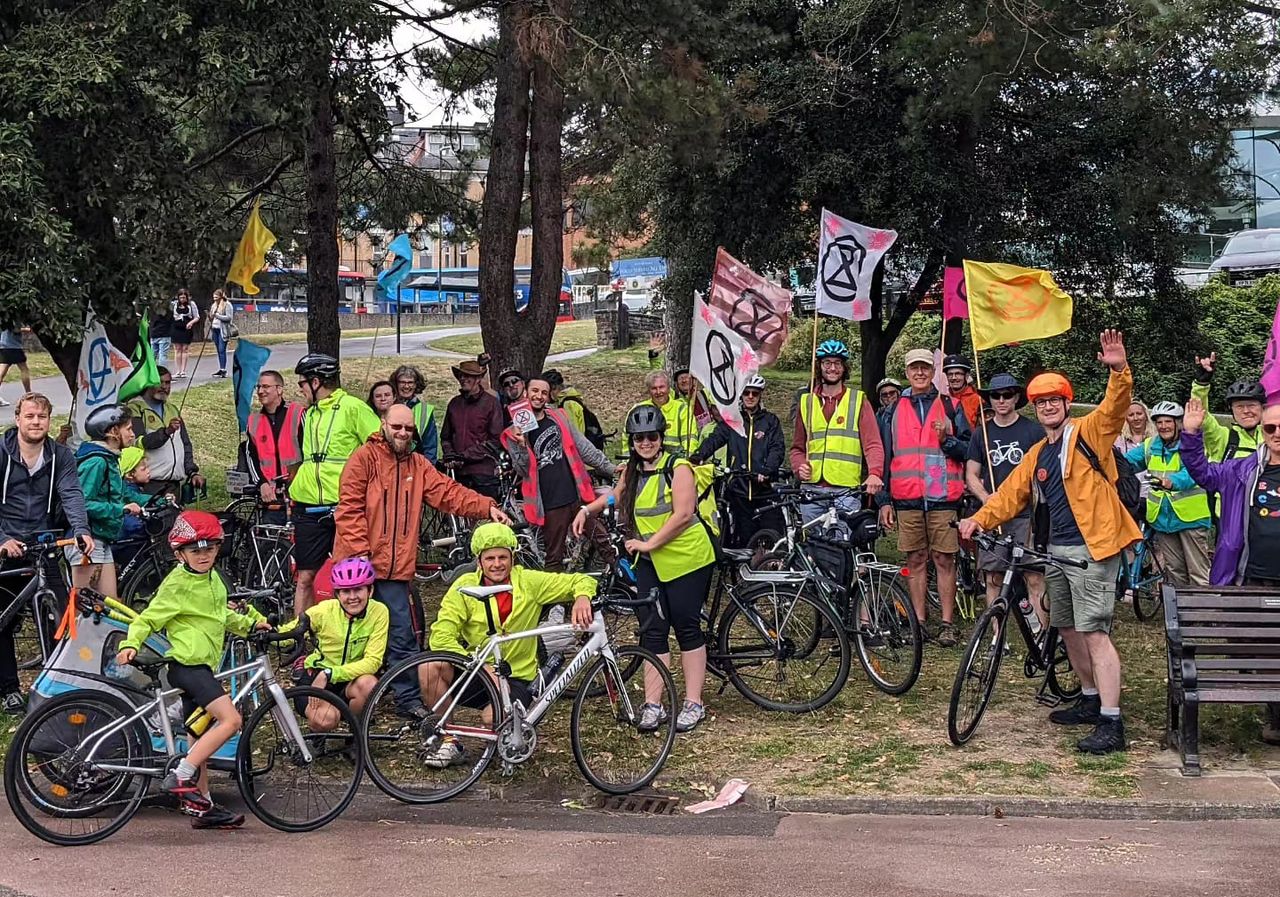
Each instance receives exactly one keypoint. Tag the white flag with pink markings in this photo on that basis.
(848, 255)
(721, 360)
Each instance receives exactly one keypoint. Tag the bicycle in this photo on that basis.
(87, 758)
(258, 549)
(38, 605)
(150, 564)
(477, 710)
(1142, 575)
(975, 679)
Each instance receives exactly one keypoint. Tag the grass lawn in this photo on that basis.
(567, 337)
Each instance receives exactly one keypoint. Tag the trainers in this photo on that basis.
(651, 716)
(217, 817)
(947, 635)
(1106, 737)
(1086, 711)
(415, 712)
(188, 793)
(14, 703)
(690, 715)
(449, 753)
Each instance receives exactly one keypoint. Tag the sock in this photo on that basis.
(185, 770)
(1089, 692)
(1111, 712)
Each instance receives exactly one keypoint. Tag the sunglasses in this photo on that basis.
(1270, 429)
(400, 428)
(751, 392)
(1004, 395)
(647, 437)
(510, 382)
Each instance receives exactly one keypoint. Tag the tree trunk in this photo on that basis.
(878, 334)
(677, 320)
(322, 218)
(546, 186)
(500, 327)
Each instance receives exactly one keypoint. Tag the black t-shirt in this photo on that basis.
(1008, 445)
(555, 480)
(1063, 529)
(1264, 526)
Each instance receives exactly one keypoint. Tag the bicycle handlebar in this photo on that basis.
(991, 542)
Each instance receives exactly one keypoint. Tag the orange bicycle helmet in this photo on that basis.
(1043, 386)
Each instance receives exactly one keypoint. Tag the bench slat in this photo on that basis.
(1238, 695)
(1230, 632)
(1234, 649)
(1247, 663)
(1235, 615)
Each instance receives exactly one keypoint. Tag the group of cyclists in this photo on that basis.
(937, 465)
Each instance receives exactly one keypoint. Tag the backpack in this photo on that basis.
(1126, 483)
(706, 511)
(591, 424)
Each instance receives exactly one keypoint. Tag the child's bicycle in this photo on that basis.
(81, 764)
(477, 711)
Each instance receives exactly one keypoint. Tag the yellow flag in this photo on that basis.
(1009, 304)
(251, 254)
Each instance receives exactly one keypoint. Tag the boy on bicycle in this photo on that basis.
(191, 607)
(351, 641)
(463, 624)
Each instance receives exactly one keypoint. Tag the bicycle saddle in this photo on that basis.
(739, 554)
(480, 593)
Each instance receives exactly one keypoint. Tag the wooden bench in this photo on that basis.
(1224, 648)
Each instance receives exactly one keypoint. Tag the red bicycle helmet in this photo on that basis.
(195, 529)
(352, 572)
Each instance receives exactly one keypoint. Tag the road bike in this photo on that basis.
(1046, 654)
(476, 711)
(1141, 575)
(81, 764)
(257, 552)
(35, 609)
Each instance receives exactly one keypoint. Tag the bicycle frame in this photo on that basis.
(29, 598)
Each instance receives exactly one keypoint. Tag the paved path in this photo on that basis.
(355, 353)
(381, 848)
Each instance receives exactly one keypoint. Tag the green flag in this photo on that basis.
(145, 374)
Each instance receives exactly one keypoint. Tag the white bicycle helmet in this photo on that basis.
(1167, 409)
(756, 382)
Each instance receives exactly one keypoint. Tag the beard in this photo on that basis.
(401, 445)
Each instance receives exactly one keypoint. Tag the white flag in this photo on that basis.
(721, 360)
(102, 368)
(848, 254)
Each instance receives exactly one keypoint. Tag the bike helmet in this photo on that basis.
(554, 378)
(100, 420)
(646, 419)
(832, 348)
(1167, 409)
(317, 364)
(952, 362)
(351, 573)
(130, 458)
(195, 529)
(493, 535)
(1043, 386)
(1246, 391)
(756, 382)
(888, 381)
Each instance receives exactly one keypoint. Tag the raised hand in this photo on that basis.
(1206, 364)
(1113, 354)
(1193, 417)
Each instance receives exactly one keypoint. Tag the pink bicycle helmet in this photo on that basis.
(352, 572)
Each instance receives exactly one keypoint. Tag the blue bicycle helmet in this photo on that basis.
(833, 348)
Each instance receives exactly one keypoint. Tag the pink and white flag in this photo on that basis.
(1271, 362)
(848, 254)
(721, 360)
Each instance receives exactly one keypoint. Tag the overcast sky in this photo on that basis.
(426, 104)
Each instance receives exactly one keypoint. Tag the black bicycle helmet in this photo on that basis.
(1246, 391)
(317, 364)
(554, 378)
(100, 420)
(645, 419)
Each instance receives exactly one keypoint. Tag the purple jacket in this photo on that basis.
(1234, 481)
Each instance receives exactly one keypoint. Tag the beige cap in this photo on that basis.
(916, 356)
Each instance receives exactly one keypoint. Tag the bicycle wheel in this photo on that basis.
(141, 584)
(54, 792)
(1060, 679)
(34, 633)
(782, 649)
(886, 632)
(976, 678)
(1147, 599)
(405, 757)
(279, 785)
(608, 744)
(236, 557)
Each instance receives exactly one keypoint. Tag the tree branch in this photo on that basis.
(427, 22)
(231, 145)
(1261, 9)
(265, 183)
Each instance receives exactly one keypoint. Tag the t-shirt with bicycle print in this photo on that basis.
(1008, 446)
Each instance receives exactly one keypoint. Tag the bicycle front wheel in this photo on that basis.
(886, 633)
(976, 678)
(55, 791)
(283, 788)
(1060, 678)
(782, 649)
(1147, 599)
(34, 634)
(138, 589)
(610, 746)
(433, 759)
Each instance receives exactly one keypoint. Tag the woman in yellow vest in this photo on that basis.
(1177, 507)
(657, 497)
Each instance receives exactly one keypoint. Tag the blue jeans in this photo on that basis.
(831, 559)
(160, 349)
(220, 343)
(400, 639)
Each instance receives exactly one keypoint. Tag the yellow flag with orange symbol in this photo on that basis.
(1011, 304)
(251, 254)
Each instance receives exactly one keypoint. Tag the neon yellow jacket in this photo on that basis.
(348, 647)
(192, 610)
(332, 430)
(461, 626)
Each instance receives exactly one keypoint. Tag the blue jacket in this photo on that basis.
(1167, 521)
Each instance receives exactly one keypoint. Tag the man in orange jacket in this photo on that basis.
(1072, 474)
(380, 501)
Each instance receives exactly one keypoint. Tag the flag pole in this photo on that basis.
(986, 443)
(813, 355)
(368, 370)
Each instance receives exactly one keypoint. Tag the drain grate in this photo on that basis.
(649, 804)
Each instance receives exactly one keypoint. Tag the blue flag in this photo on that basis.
(399, 263)
(246, 365)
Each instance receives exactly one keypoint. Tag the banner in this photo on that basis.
(955, 298)
(145, 373)
(1271, 362)
(848, 254)
(721, 360)
(251, 254)
(1009, 304)
(98, 376)
(246, 366)
(754, 308)
(399, 263)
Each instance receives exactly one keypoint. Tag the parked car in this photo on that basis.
(1249, 256)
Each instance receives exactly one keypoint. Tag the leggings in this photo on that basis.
(680, 601)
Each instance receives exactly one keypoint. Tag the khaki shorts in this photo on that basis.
(1083, 600)
(918, 530)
